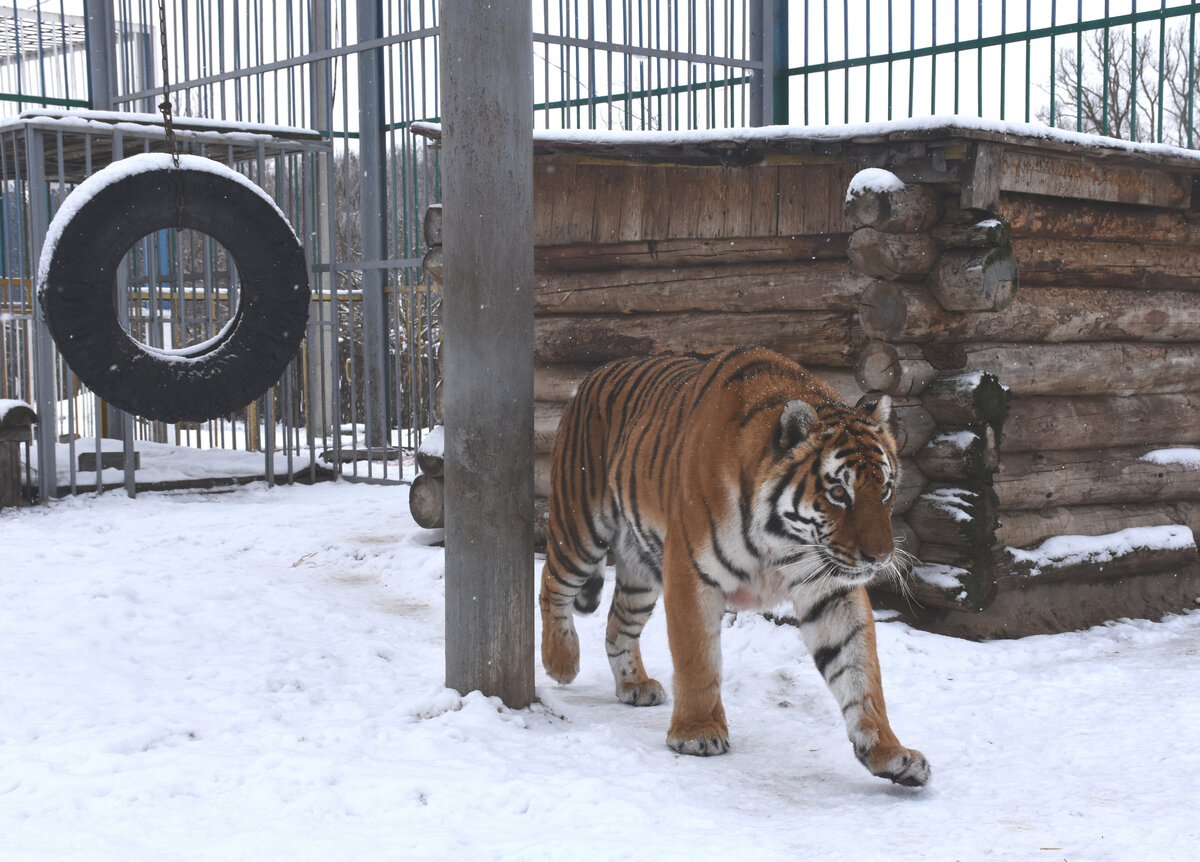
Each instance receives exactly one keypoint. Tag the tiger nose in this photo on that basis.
(870, 559)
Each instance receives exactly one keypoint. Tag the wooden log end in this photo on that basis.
(968, 454)
(430, 457)
(891, 256)
(912, 425)
(975, 279)
(427, 501)
(898, 370)
(883, 311)
(432, 264)
(432, 225)
(971, 398)
(878, 199)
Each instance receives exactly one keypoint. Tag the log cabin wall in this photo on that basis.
(1032, 304)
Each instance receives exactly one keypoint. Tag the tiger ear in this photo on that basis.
(877, 406)
(795, 423)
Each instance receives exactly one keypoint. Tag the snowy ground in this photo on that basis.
(257, 675)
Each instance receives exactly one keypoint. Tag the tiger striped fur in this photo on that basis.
(735, 481)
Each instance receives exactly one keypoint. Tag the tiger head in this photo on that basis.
(829, 496)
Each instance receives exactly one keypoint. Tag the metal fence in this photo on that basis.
(336, 86)
(1125, 68)
(359, 74)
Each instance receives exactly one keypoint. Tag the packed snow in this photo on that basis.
(1071, 550)
(258, 674)
(873, 180)
(958, 439)
(163, 463)
(1184, 456)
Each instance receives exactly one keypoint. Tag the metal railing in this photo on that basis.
(358, 73)
(644, 64)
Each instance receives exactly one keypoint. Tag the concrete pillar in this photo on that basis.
(487, 192)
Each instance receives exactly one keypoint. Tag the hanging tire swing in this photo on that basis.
(95, 228)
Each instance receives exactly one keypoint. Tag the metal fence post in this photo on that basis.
(102, 70)
(372, 165)
(321, 356)
(767, 31)
(44, 379)
(487, 192)
(762, 51)
(779, 66)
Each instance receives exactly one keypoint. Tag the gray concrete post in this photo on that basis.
(487, 192)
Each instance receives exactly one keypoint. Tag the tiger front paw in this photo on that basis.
(703, 739)
(648, 692)
(904, 766)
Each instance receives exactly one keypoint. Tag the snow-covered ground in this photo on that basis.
(258, 675)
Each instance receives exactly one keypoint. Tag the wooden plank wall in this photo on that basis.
(635, 259)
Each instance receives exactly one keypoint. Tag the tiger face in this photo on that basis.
(829, 497)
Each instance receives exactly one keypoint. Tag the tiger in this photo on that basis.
(737, 481)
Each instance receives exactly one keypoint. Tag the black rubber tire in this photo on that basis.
(78, 295)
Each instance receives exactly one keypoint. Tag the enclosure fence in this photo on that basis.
(1125, 69)
(334, 88)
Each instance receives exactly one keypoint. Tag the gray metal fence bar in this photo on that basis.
(372, 167)
(44, 357)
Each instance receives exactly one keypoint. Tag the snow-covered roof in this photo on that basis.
(745, 141)
(106, 121)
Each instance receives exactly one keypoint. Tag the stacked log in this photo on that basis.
(1091, 410)
(427, 493)
(639, 259)
(933, 264)
(1077, 379)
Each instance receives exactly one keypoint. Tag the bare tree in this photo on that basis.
(1118, 88)
(1182, 100)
